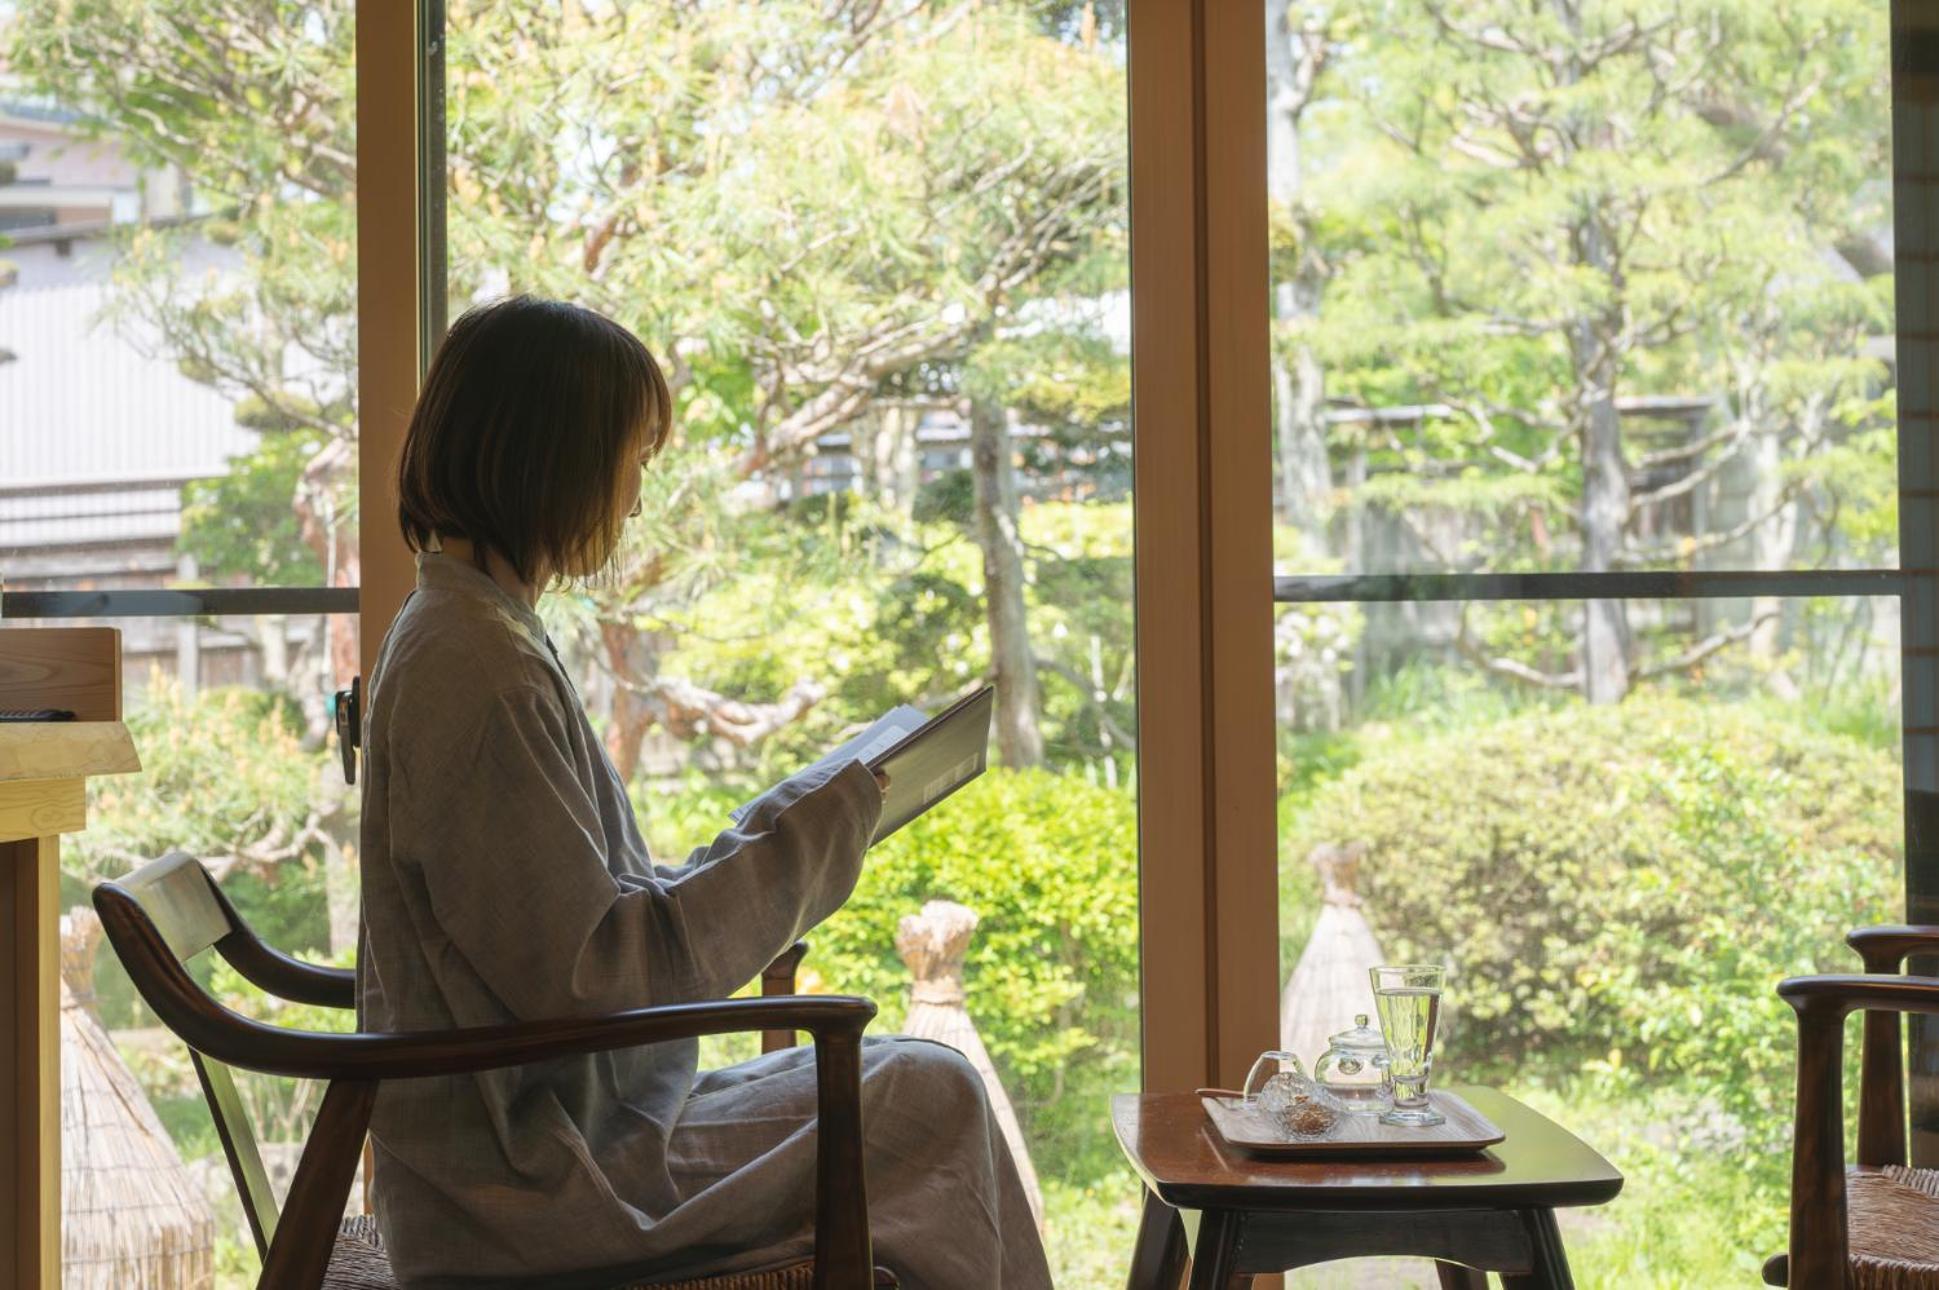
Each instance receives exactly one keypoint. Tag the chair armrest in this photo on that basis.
(235, 1040)
(1885, 949)
(1838, 996)
(373, 1056)
(1819, 1244)
(268, 968)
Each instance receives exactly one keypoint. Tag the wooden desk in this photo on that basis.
(43, 793)
(1236, 1216)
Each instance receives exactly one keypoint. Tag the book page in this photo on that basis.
(881, 735)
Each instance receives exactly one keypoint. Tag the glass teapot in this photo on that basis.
(1354, 1066)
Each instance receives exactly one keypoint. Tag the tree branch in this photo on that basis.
(1092, 699)
(1703, 649)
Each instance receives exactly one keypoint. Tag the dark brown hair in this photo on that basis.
(531, 411)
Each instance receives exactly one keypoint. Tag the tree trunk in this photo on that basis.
(1605, 477)
(1605, 488)
(1293, 59)
(632, 711)
(342, 881)
(893, 463)
(1299, 406)
(343, 891)
(1019, 742)
(331, 534)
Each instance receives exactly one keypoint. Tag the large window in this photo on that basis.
(178, 459)
(1585, 446)
(1586, 481)
(887, 275)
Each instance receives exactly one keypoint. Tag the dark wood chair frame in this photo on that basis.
(171, 910)
(1819, 1252)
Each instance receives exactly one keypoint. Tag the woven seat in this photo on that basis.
(1894, 1230)
(359, 1263)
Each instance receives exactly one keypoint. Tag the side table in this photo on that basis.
(1235, 1216)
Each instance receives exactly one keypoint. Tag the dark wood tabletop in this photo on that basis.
(1172, 1144)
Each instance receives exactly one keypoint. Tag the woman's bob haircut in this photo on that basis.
(531, 415)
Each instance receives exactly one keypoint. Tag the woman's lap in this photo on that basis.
(944, 1201)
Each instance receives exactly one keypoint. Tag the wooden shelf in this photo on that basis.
(65, 750)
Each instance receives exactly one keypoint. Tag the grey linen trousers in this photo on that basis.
(505, 879)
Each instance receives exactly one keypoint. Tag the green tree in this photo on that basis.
(804, 208)
(1539, 222)
(897, 196)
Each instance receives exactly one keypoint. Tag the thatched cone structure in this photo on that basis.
(932, 944)
(1330, 985)
(132, 1217)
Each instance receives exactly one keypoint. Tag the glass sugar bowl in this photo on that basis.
(1354, 1067)
(1281, 1093)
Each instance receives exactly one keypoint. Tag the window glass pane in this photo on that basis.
(886, 271)
(238, 769)
(1582, 286)
(1616, 888)
(177, 409)
(177, 292)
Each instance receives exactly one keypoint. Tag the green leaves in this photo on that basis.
(1620, 889)
(241, 522)
(1522, 211)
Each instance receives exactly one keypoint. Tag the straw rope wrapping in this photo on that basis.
(132, 1216)
(932, 945)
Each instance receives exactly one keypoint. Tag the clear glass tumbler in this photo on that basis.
(1274, 1081)
(1408, 998)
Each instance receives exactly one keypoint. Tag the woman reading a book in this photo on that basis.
(505, 879)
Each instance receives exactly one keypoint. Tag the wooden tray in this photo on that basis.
(1465, 1131)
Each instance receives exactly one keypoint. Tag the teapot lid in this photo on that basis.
(1360, 1036)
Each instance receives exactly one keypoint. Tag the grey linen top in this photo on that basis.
(505, 879)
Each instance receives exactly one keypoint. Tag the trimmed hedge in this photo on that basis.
(1618, 889)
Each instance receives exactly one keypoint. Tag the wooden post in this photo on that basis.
(1201, 392)
(389, 273)
(43, 794)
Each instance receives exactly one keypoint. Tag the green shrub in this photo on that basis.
(219, 773)
(1618, 889)
(223, 774)
(1049, 862)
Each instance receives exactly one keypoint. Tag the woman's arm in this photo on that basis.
(512, 851)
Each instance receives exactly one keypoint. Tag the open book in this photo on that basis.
(925, 758)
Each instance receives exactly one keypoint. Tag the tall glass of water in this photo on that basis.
(1408, 999)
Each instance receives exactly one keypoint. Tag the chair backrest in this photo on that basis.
(174, 903)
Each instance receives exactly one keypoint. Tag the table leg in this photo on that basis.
(1551, 1270)
(1458, 1276)
(30, 1052)
(1158, 1261)
(1217, 1254)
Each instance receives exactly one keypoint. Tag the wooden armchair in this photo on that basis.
(169, 911)
(1876, 1226)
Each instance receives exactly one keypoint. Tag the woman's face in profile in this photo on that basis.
(626, 500)
(629, 483)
